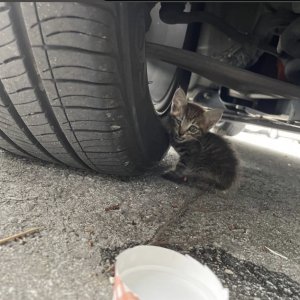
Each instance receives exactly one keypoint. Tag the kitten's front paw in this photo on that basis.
(173, 176)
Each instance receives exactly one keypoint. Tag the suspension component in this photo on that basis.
(225, 75)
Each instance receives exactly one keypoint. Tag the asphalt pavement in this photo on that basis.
(249, 236)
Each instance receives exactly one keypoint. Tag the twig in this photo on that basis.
(112, 207)
(19, 235)
(276, 253)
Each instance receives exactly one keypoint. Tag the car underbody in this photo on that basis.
(247, 59)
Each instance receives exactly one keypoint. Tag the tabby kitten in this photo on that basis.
(203, 155)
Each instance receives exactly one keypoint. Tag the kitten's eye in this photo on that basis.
(193, 129)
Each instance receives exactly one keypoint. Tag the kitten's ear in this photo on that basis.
(179, 102)
(212, 117)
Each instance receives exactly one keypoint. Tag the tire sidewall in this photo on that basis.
(149, 139)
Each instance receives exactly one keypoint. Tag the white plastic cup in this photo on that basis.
(156, 273)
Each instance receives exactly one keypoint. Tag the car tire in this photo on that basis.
(74, 86)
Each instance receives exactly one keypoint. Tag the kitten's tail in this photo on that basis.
(229, 179)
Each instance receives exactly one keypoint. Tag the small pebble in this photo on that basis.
(227, 271)
(111, 280)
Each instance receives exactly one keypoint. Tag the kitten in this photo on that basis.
(202, 154)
